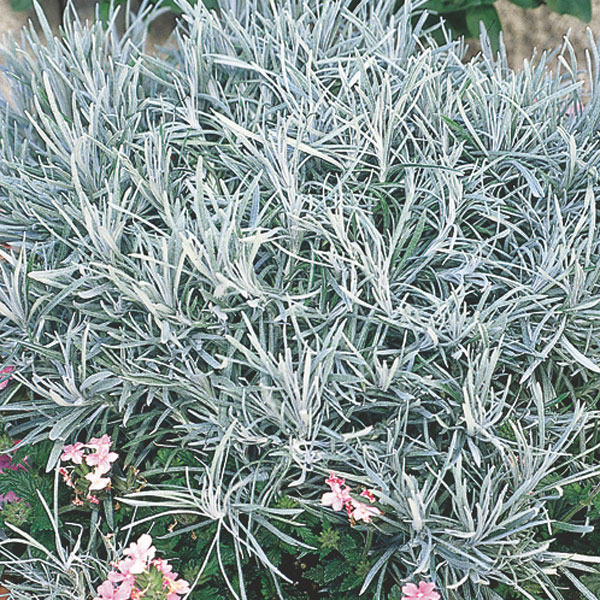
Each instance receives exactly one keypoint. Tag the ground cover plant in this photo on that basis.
(307, 301)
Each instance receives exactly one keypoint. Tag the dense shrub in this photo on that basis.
(301, 241)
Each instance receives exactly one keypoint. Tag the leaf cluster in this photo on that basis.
(28, 483)
(304, 241)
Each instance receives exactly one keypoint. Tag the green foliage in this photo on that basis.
(20, 5)
(6, 442)
(582, 9)
(335, 565)
(592, 582)
(152, 584)
(17, 513)
(508, 593)
(28, 483)
(528, 3)
(465, 17)
(486, 15)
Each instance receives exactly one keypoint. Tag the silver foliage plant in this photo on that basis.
(308, 239)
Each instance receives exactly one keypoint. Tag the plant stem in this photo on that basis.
(367, 545)
(580, 505)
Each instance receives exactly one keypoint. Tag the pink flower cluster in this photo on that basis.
(91, 462)
(340, 498)
(5, 376)
(425, 591)
(134, 577)
(7, 463)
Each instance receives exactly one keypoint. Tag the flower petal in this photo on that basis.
(410, 589)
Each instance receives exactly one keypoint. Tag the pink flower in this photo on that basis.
(368, 494)
(101, 459)
(100, 443)
(163, 566)
(423, 592)
(123, 577)
(74, 453)
(8, 497)
(364, 512)
(108, 592)
(177, 588)
(125, 567)
(66, 477)
(339, 495)
(5, 462)
(97, 482)
(335, 483)
(140, 553)
(4, 380)
(337, 499)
